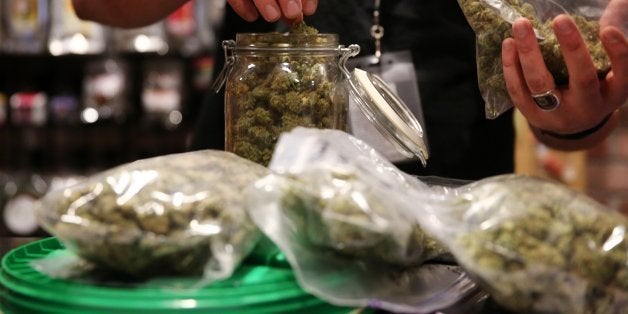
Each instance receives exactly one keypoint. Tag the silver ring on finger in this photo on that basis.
(547, 101)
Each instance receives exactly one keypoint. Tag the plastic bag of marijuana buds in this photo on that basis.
(491, 21)
(535, 245)
(341, 214)
(179, 214)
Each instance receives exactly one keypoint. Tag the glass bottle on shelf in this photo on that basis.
(71, 35)
(25, 25)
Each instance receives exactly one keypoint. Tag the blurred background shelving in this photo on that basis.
(78, 97)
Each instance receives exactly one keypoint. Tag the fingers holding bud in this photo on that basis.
(274, 10)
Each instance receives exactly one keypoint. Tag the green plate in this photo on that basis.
(251, 289)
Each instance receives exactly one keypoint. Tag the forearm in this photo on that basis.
(125, 13)
(585, 141)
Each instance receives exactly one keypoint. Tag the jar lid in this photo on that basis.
(389, 114)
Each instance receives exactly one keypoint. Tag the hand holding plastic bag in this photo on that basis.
(179, 214)
(491, 20)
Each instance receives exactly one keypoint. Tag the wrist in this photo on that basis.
(579, 140)
(578, 135)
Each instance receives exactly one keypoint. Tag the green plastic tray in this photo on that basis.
(252, 289)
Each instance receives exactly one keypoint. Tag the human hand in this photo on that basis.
(615, 15)
(289, 11)
(586, 100)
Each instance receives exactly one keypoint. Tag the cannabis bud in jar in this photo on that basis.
(490, 20)
(279, 81)
(178, 214)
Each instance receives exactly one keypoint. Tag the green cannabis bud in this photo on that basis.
(540, 247)
(301, 28)
(491, 29)
(285, 80)
(357, 225)
(167, 215)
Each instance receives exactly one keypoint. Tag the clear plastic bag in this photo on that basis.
(341, 214)
(179, 214)
(491, 21)
(535, 245)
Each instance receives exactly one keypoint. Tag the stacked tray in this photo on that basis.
(252, 289)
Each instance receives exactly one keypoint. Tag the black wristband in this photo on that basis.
(580, 135)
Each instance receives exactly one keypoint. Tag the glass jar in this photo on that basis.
(278, 81)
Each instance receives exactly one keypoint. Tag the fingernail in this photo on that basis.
(309, 6)
(508, 45)
(271, 12)
(520, 28)
(292, 9)
(564, 25)
(612, 37)
(251, 16)
(508, 50)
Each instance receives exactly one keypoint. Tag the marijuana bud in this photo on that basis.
(166, 215)
(350, 220)
(491, 28)
(538, 246)
(280, 81)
